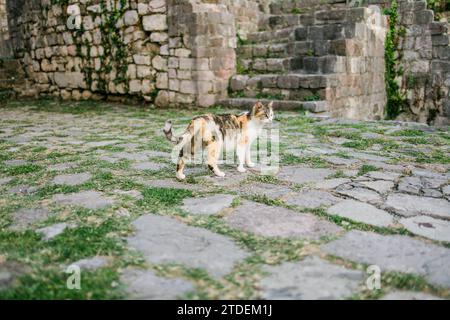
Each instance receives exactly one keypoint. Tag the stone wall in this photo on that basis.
(425, 57)
(183, 52)
(357, 91)
(202, 42)
(93, 48)
(170, 52)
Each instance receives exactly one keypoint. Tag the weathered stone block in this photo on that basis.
(144, 71)
(131, 18)
(69, 79)
(155, 22)
(159, 63)
(162, 81)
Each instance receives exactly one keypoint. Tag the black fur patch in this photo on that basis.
(210, 167)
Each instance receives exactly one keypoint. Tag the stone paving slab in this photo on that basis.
(62, 166)
(428, 227)
(329, 184)
(131, 193)
(207, 205)
(410, 205)
(310, 279)
(379, 186)
(23, 189)
(73, 179)
(88, 199)
(15, 162)
(4, 181)
(146, 285)
(272, 191)
(104, 143)
(9, 273)
(54, 230)
(26, 217)
(92, 263)
(338, 161)
(394, 253)
(361, 212)
(359, 193)
(421, 186)
(383, 175)
(148, 165)
(173, 183)
(268, 221)
(312, 199)
(163, 239)
(301, 175)
(232, 178)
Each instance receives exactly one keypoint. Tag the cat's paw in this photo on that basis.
(241, 169)
(181, 176)
(220, 174)
(250, 164)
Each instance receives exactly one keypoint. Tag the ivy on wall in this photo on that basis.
(395, 99)
(113, 60)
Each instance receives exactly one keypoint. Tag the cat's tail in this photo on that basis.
(180, 140)
(169, 132)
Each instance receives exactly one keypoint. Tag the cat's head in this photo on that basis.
(262, 113)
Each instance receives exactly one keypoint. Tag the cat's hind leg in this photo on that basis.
(213, 149)
(180, 165)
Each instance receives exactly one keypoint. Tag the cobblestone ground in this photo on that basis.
(92, 184)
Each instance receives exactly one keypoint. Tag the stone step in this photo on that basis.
(272, 36)
(266, 65)
(294, 49)
(291, 6)
(334, 31)
(292, 86)
(302, 64)
(247, 103)
(320, 17)
(264, 50)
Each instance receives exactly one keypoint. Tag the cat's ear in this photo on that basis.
(270, 105)
(257, 106)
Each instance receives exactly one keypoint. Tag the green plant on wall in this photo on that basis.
(395, 99)
(113, 60)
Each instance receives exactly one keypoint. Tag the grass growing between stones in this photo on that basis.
(102, 231)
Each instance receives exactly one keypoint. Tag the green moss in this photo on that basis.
(21, 169)
(366, 168)
(164, 196)
(408, 133)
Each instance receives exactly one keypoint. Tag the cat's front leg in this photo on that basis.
(240, 152)
(248, 155)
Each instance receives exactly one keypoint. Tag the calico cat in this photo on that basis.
(215, 131)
